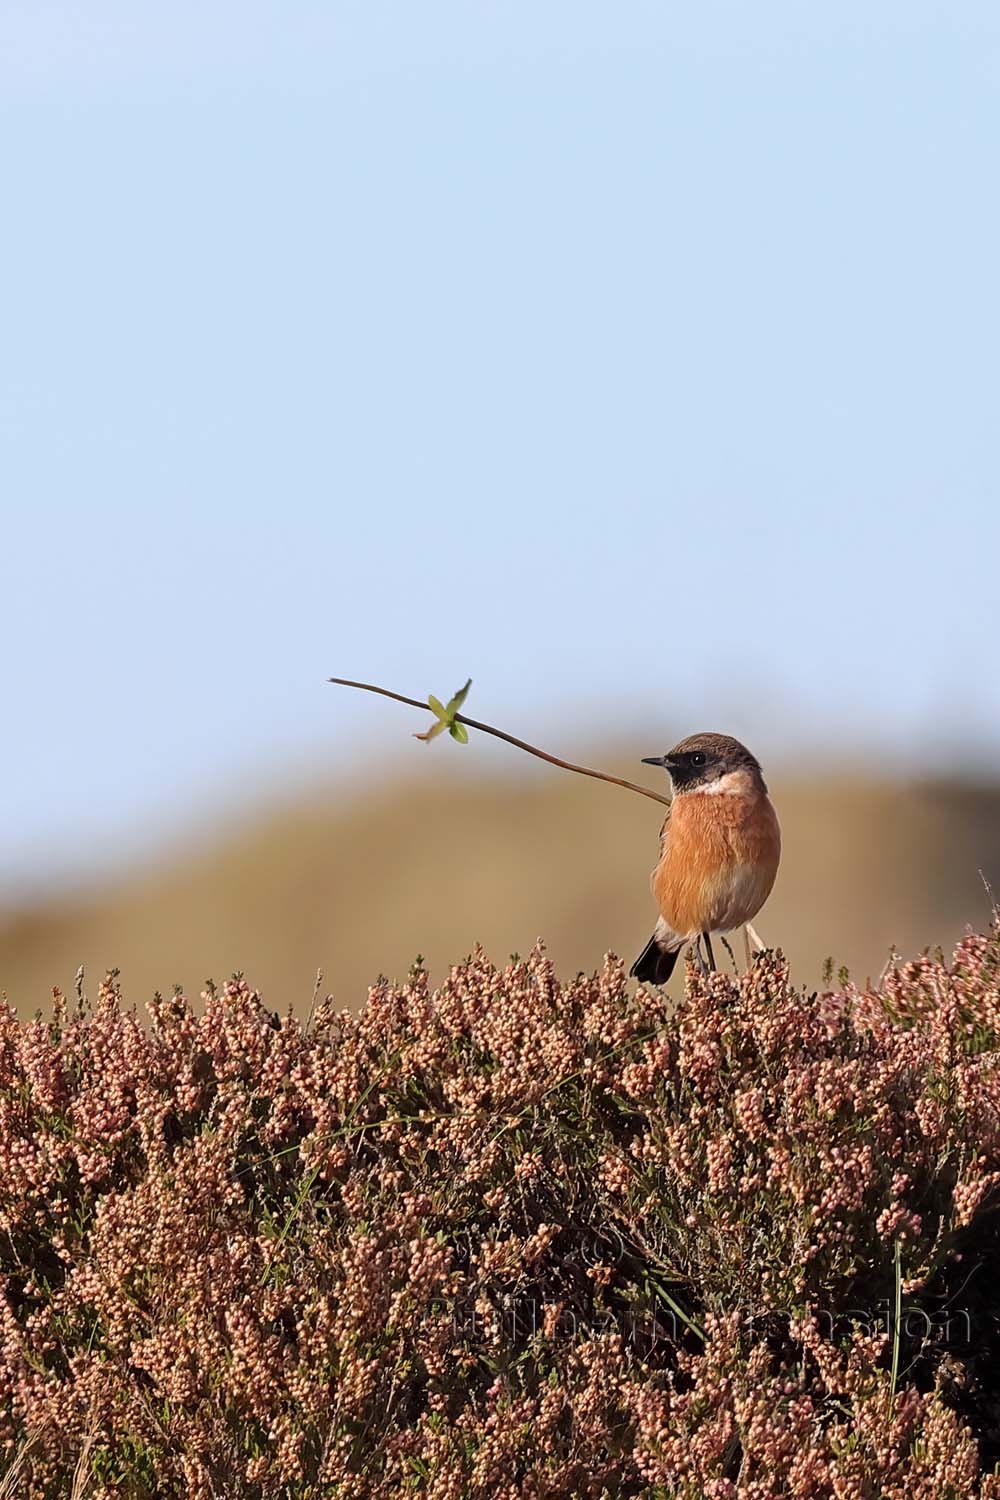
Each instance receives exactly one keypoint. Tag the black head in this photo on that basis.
(704, 758)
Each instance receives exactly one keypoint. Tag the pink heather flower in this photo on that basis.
(510, 1238)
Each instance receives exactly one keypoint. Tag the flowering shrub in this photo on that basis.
(510, 1238)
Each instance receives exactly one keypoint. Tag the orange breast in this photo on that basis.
(718, 861)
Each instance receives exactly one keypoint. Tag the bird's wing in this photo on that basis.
(664, 840)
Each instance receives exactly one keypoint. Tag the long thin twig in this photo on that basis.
(9, 1484)
(81, 1474)
(499, 734)
(315, 997)
(897, 1315)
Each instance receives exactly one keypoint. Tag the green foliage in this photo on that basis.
(445, 716)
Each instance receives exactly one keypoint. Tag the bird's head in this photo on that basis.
(709, 762)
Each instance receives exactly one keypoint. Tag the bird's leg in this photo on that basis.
(708, 950)
(754, 941)
(759, 945)
(699, 957)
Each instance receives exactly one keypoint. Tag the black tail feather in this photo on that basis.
(655, 964)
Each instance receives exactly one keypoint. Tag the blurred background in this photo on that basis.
(638, 361)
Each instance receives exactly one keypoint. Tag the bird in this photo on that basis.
(720, 846)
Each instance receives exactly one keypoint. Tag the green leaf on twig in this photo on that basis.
(456, 701)
(434, 729)
(445, 716)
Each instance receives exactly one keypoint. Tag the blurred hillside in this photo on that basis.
(357, 881)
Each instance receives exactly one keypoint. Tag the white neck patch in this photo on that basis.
(730, 784)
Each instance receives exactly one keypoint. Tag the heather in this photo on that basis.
(514, 1236)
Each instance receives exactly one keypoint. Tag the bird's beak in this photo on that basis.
(654, 760)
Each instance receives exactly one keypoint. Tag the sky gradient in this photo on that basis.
(639, 361)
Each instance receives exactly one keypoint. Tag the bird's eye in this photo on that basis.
(698, 758)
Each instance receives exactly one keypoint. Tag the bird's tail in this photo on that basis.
(655, 964)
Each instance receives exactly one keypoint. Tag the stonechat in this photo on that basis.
(719, 849)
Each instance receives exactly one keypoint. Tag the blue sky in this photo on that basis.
(639, 360)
